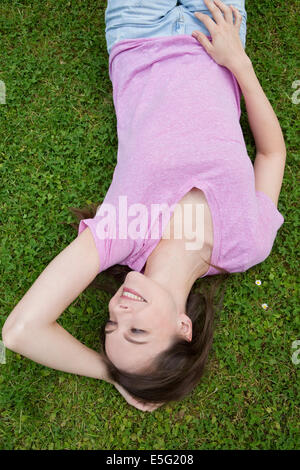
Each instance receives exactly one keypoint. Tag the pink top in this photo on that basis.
(178, 126)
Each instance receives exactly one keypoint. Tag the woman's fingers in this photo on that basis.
(215, 11)
(207, 21)
(204, 41)
(149, 406)
(132, 401)
(226, 10)
(226, 42)
(153, 407)
(238, 17)
(216, 7)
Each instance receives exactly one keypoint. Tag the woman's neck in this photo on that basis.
(175, 268)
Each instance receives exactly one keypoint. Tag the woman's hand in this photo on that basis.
(226, 47)
(132, 401)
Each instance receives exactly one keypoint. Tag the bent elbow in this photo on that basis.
(11, 336)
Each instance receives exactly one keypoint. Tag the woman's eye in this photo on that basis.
(136, 330)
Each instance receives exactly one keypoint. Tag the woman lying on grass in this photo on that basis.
(181, 148)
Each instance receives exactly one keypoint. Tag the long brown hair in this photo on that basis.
(176, 371)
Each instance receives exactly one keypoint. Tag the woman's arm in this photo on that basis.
(270, 157)
(227, 50)
(264, 124)
(31, 328)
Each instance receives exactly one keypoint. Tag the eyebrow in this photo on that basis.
(128, 339)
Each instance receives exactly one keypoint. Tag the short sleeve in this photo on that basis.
(269, 220)
(111, 248)
(269, 213)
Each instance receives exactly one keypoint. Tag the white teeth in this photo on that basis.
(132, 296)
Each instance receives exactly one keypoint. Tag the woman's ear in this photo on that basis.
(185, 327)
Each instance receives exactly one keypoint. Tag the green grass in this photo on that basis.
(58, 147)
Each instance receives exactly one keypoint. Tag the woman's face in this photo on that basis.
(137, 331)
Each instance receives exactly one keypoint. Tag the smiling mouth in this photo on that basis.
(132, 295)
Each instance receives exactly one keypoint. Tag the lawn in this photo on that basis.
(58, 147)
